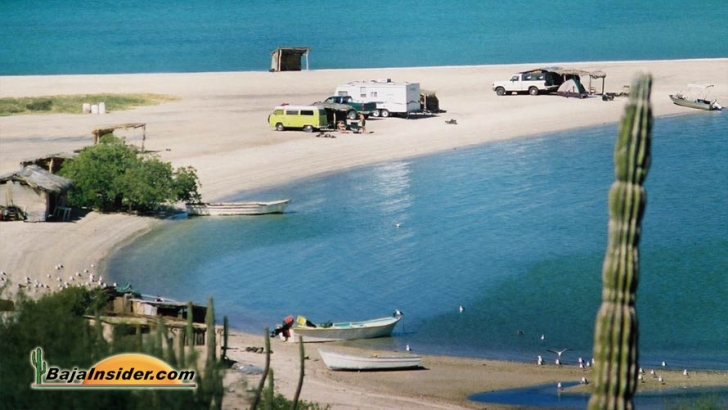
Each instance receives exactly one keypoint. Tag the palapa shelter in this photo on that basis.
(100, 132)
(288, 58)
(35, 191)
(572, 88)
(572, 73)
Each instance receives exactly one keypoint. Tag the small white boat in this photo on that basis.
(340, 361)
(696, 96)
(326, 332)
(237, 208)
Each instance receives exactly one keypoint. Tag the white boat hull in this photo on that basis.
(237, 208)
(339, 361)
(366, 329)
(697, 104)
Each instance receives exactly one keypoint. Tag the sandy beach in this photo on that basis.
(218, 126)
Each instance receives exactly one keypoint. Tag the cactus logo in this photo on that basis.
(123, 371)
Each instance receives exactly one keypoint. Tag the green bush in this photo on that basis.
(41, 105)
(113, 176)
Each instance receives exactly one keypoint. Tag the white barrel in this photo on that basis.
(102, 108)
(86, 108)
(95, 109)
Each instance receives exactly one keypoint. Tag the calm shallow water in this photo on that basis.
(515, 231)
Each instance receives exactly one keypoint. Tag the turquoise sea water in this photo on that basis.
(110, 36)
(515, 231)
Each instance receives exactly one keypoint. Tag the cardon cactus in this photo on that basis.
(616, 333)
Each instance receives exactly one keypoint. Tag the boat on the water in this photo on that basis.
(237, 208)
(696, 96)
(326, 332)
(340, 361)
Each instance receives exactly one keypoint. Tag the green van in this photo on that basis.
(305, 117)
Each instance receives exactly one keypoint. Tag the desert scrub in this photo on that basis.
(71, 104)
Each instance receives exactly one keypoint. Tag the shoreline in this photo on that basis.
(219, 128)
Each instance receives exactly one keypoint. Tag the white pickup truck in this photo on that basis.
(533, 82)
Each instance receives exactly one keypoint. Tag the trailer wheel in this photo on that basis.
(384, 113)
(375, 113)
(308, 128)
(280, 127)
(533, 91)
(500, 91)
(351, 114)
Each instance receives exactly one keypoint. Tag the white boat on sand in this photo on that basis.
(237, 208)
(340, 361)
(696, 96)
(326, 332)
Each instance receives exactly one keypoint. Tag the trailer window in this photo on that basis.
(278, 112)
(374, 94)
(306, 112)
(291, 112)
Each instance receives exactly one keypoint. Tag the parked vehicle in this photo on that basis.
(305, 117)
(534, 82)
(398, 98)
(347, 105)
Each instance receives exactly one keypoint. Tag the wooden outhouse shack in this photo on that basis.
(35, 191)
(288, 58)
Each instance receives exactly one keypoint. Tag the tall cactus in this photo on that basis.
(617, 332)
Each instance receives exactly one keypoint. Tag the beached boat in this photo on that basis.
(326, 332)
(696, 96)
(340, 361)
(237, 208)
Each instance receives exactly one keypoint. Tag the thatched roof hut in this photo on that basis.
(288, 58)
(51, 163)
(35, 191)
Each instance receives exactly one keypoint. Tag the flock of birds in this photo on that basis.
(59, 280)
(583, 364)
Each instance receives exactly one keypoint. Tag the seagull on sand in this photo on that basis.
(540, 360)
(407, 348)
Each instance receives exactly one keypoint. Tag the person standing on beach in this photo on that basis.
(362, 123)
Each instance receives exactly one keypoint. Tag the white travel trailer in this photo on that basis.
(391, 97)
